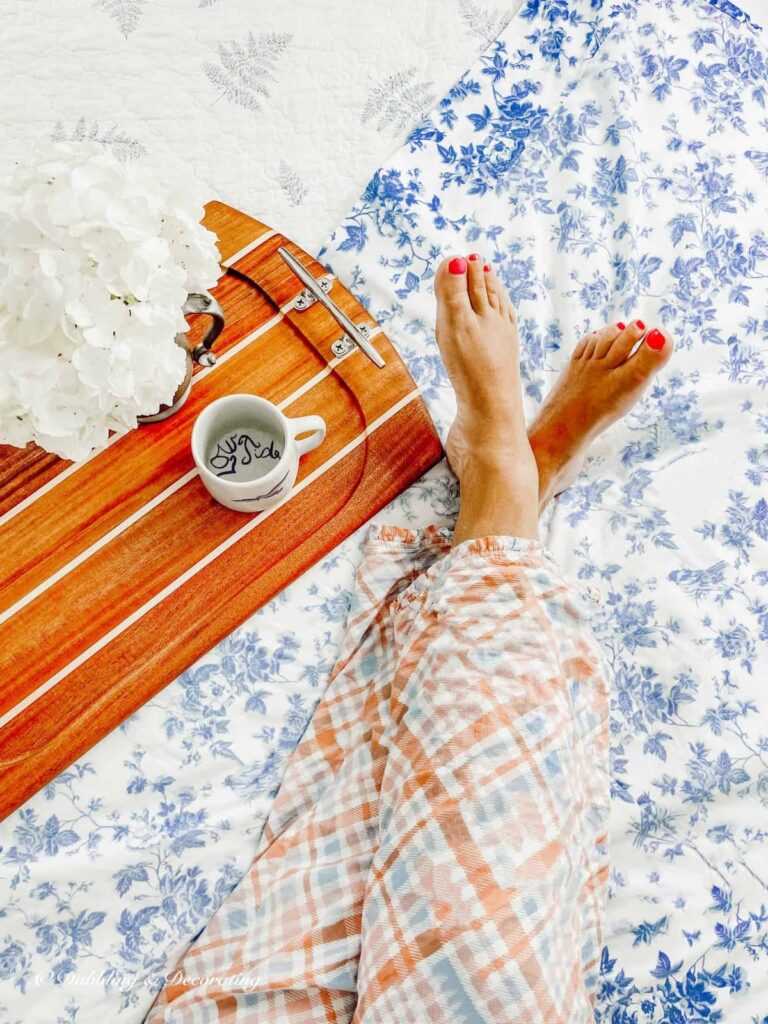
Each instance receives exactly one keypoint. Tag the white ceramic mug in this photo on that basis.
(247, 451)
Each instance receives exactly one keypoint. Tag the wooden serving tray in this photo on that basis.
(117, 573)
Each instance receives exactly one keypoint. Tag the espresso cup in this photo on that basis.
(247, 451)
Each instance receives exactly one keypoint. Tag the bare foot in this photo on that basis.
(488, 447)
(600, 384)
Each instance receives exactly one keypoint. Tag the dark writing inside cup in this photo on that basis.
(244, 454)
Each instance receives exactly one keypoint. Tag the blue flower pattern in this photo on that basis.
(605, 157)
(610, 158)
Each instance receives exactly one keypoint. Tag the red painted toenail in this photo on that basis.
(655, 339)
(475, 256)
(486, 268)
(621, 326)
(458, 265)
(640, 325)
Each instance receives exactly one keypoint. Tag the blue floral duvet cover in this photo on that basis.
(611, 158)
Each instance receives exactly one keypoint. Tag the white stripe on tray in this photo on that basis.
(248, 248)
(205, 561)
(134, 517)
(228, 263)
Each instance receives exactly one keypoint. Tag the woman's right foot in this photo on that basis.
(602, 381)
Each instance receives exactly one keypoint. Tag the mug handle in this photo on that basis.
(302, 424)
(204, 302)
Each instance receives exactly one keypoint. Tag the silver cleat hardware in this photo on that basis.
(344, 345)
(315, 289)
(306, 299)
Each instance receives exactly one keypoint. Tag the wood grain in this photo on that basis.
(117, 574)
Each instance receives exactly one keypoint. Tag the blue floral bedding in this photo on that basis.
(611, 159)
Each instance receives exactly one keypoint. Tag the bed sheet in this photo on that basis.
(558, 155)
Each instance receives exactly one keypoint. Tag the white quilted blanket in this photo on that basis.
(281, 109)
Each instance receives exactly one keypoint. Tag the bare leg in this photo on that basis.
(487, 448)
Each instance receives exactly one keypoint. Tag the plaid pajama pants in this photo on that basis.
(437, 851)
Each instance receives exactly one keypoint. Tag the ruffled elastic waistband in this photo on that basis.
(440, 538)
(413, 562)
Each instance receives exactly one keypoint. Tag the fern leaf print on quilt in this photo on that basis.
(485, 23)
(397, 102)
(125, 147)
(125, 12)
(245, 72)
(292, 185)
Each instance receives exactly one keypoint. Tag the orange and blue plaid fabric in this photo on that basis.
(437, 851)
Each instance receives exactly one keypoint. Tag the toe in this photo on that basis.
(589, 348)
(451, 283)
(621, 347)
(605, 339)
(507, 306)
(581, 348)
(652, 354)
(497, 297)
(478, 290)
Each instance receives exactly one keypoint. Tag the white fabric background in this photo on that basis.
(135, 70)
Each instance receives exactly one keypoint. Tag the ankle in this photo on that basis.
(491, 429)
(499, 495)
(508, 464)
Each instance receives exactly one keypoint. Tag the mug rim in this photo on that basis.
(259, 480)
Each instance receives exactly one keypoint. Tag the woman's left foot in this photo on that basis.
(605, 376)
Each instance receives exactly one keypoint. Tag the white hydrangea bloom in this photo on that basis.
(96, 261)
